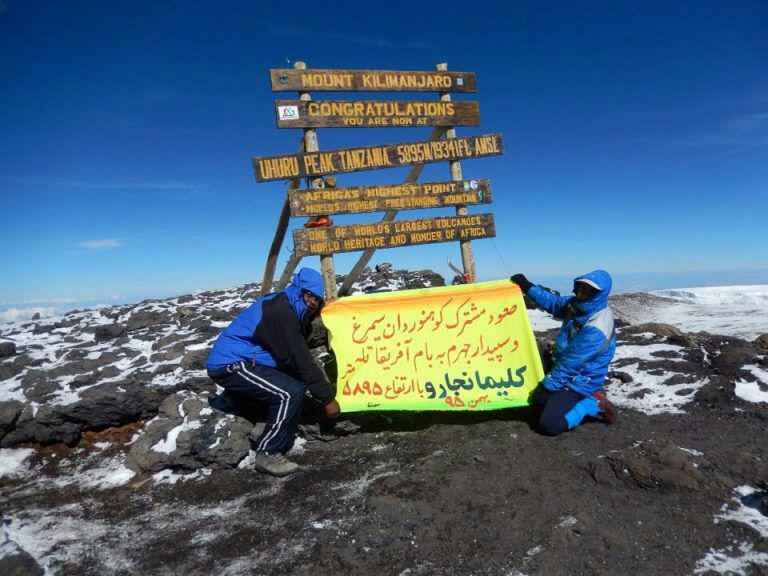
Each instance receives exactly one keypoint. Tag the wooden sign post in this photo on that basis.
(319, 201)
(467, 258)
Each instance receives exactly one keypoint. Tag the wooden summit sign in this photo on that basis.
(373, 157)
(374, 113)
(319, 198)
(388, 197)
(334, 239)
(286, 79)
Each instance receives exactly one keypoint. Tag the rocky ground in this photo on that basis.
(120, 457)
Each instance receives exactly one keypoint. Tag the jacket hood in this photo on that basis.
(601, 280)
(304, 279)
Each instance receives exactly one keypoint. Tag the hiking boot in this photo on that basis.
(607, 408)
(275, 464)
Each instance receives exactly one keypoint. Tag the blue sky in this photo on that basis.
(636, 137)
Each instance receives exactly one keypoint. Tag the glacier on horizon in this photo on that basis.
(740, 311)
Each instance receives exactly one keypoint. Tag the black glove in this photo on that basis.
(522, 281)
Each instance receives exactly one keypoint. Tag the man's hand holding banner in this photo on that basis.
(467, 347)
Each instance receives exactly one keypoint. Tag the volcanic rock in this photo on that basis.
(189, 434)
(9, 413)
(15, 561)
(7, 349)
(195, 359)
(108, 332)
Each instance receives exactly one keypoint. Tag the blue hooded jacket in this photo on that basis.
(587, 340)
(270, 332)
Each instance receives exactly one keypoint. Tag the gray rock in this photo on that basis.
(41, 391)
(732, 358)
(9, 413)
(15, 561)
(147, 318)
(113, 404)
(70, 368)
(9, 370)
(659, 328)
(184, 314)
(164, 341)
(195, 359)
(203, 325)
(108, 332)
(66, 323)
(218, 315)
(207, 438)
(170, 353)
(45, 426)
(7, 349)
(762, 341)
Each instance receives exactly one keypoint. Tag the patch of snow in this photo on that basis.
(201, 346)
(170, 477)
(744, 512)
(737, 564)
(541, 321)
(42, 533)
(567, 521)
(299, 446)
(12, 389)
(740, 311)
(356, 488)
(168, 444)
(12, 461)
(759, 373)
(645, 352)
(691, 451)
(751, 392)
(109, 474)
(658, 397)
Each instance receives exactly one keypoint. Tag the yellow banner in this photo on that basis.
(468, 347)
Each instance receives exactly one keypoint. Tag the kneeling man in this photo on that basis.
(262, 356)
(573, 388)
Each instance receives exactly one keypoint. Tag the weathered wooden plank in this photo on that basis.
(374, 113)
(388, 197)
(311, 164)
(389, 216)
(286, 80)
(394, 234)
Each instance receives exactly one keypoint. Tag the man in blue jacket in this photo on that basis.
(573, 388)
(262, 356)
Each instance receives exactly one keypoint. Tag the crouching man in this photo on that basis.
(262, 356)
(573, 388)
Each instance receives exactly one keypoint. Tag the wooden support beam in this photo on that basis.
(282, 227)
(290, 266)
(277, 241)
(365, 257)
(467, 258)
(326, 260)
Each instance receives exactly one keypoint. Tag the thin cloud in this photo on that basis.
(16, 314)
(154, 185)
(53, 300)
(103, 244)
(733, 134)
